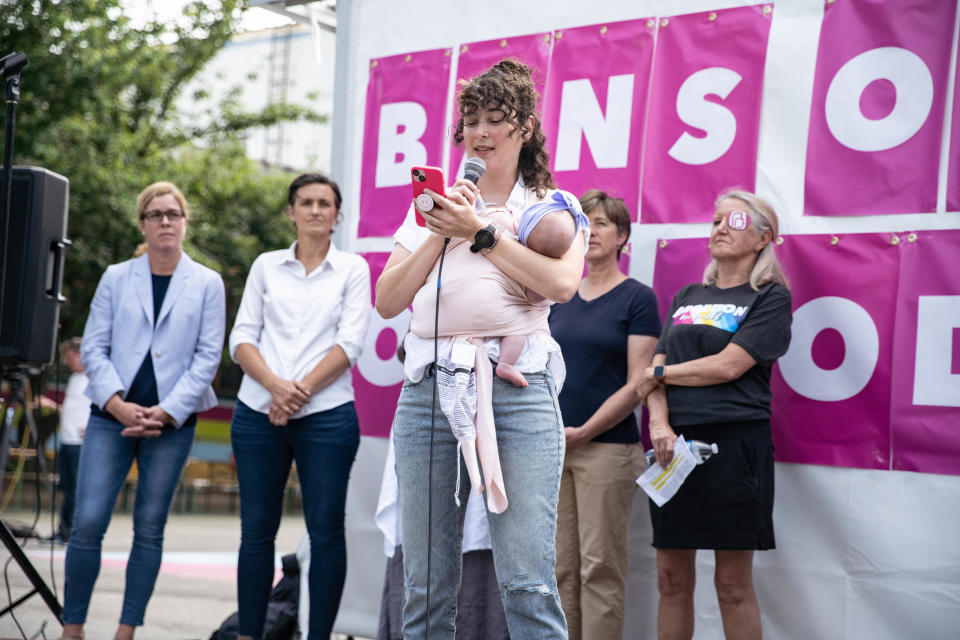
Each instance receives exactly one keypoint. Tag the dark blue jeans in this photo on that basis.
(323, 445)
(68, 461)
(105, 461)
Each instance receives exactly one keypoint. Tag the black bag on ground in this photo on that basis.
(281, 621)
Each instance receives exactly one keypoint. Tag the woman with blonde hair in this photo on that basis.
(710, 380)
(151, 348)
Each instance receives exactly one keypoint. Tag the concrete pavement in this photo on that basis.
(195, 591)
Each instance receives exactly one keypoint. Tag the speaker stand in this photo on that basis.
(18, 395)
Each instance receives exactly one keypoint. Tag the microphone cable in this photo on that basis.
(433, 417)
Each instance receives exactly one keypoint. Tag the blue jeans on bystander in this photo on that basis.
(68, 462)
(531, 445)
(323, 445)
(105, 460)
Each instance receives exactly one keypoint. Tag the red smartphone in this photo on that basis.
(425, 178)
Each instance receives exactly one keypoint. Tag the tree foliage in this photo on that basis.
(99, 105)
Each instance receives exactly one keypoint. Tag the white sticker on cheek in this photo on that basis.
(738, 220)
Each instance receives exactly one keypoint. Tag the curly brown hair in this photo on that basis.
(508, 87)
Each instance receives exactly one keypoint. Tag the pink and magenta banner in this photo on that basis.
(926, 357)
(476, 57)
(878, 107)
(953, 153)
(406, 104)
(703, 127)
(378, 375)
(846, 393)
(596, 98)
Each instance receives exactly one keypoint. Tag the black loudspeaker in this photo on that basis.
(33, 274)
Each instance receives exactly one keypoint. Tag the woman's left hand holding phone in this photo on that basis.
(454, 216)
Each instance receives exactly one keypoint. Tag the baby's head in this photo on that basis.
(553, 235)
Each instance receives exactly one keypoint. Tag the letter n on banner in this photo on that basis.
(831, 391)
(926, 390)
(877, 114)
(705, 114)
(378, 374)
(477, 57)
(596, 96)
(406, 96)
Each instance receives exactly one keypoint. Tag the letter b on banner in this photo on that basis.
(402, 124)
(862, 349)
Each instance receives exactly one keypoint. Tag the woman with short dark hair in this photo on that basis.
(607, 333)
(300, 328)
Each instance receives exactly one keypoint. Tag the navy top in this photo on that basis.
(593, 339)
(143, 389)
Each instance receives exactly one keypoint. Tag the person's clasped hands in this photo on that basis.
(138, 421)
(289, 396)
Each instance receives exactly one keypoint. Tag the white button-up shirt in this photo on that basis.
(294, 318)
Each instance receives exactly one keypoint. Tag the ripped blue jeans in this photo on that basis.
(531, 443)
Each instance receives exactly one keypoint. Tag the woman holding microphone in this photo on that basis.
(498, 123)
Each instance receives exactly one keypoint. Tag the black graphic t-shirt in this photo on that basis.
(701, 322)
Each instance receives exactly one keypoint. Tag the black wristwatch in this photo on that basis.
(658, 372)
(484, 238)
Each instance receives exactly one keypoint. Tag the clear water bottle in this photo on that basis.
(701, 451)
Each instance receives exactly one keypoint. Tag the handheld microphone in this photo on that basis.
(473, 169)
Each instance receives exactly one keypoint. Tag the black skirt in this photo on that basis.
(726, 502)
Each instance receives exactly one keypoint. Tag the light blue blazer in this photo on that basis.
(185, 343)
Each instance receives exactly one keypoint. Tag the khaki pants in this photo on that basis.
(596, 495)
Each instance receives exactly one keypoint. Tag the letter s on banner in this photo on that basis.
(608, 136)
(719, 123)
(860, 338)
(933, 382)
(914, 86)
(374, 369)
(402, 124)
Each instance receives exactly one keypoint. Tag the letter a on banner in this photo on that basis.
(477, 57)
(704, 118)
(406, 96)
(597, 95)
(877, 114)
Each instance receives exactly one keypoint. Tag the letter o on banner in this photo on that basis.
(914, 86)
(860, 338)
(374, 369)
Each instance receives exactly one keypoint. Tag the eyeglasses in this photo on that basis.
(173, 215)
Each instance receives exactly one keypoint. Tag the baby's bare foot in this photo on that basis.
(511, 374)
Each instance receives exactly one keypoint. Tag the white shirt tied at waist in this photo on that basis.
(294, 318)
